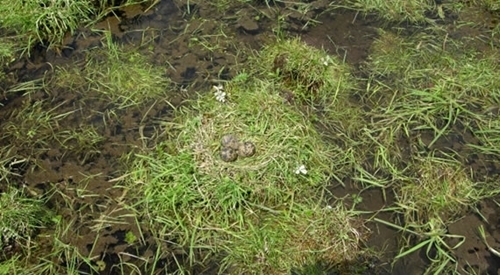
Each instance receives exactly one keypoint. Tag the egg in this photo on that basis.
(228, 154)
(230, 141)
(246, 149)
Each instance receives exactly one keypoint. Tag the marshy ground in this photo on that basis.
(375, 126)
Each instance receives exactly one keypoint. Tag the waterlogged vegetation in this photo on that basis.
(104, 79)
(102, 172)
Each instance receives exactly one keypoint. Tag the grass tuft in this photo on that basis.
(261, 214)
(20, 218)
(411, 11)
(48, 22)
(122, 77)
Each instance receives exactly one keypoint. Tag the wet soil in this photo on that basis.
(198, 44)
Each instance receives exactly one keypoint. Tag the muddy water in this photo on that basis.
(198, 44)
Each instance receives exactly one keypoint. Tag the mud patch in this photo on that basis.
(344, 33)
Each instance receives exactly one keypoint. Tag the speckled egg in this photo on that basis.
(228, 154)
(230, 141)
(246, 149)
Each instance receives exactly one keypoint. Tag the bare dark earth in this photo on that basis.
(197, 45)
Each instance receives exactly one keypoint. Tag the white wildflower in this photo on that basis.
(325, 60)
(218, 88)
(219, 93)
(301, 170)
(220, 96)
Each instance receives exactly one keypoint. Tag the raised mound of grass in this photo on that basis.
(263, 214)
(321, 86)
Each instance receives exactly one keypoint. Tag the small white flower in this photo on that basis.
(219, 93)
(324, 60)
(301, 170)
(220, 96)
(218, 88)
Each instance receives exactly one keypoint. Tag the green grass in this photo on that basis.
(257, 213)
(394, 10)
(33, 126)
(121, 77)
(397, 11)
(435, 194)
(414, 11)
(254, 206)
(59, 255)
(299, 106)
(422, 91)
(8, 160)
(443, 189)
(34, 129)
(50, 21)
(490, 5)
(47, 251)
(314, 77)
(39, 125)
(429, 89)
(318, 85)
(7, 51)
(433, 238)
(83, 142)
(20, 218)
